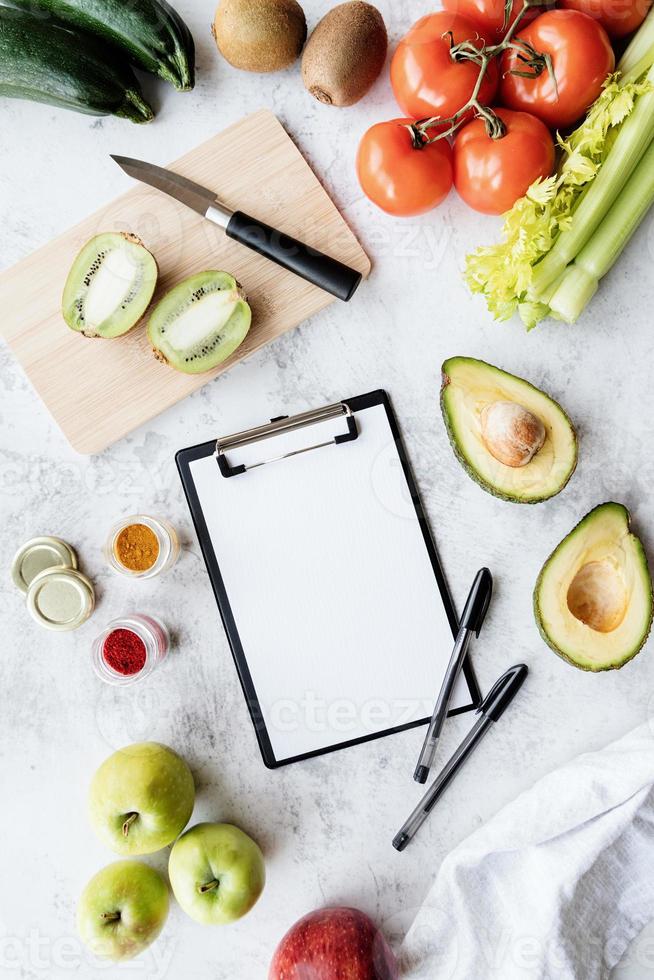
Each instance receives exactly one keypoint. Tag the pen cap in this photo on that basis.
(478, 601)
(503, 691)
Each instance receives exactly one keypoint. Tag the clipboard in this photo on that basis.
(326, 576)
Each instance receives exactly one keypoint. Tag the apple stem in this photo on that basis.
(210, 885)
(110, 916)
(131, 817)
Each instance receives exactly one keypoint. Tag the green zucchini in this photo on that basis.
(148, 32)
(47, 63)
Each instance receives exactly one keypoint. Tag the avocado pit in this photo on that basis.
(511, 433)
(597, 596)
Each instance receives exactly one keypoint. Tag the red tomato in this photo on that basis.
(426, 80)
(617, 17)
(490, 175)
(582, 57)
(488, 15)
(398, 178)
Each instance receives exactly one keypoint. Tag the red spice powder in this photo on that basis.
(124, 651)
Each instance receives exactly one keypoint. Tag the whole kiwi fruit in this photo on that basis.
(345, 53)
(259, 35)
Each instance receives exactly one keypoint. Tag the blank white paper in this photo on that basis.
(330, 585)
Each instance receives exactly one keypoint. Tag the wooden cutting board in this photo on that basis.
(99, 390)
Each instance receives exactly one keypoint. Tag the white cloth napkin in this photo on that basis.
(555, 886)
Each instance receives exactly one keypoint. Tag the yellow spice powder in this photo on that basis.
(137, 547)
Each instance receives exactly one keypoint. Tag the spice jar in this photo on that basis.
(130, 648)
(141, 547)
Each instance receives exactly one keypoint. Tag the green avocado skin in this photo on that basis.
(451, 434)
(539, 581)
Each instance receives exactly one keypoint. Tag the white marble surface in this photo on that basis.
(325, 825)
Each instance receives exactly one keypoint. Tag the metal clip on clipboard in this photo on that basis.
(283, 424)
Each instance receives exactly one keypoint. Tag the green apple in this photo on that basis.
(216, 873)
(122, 910)
(141, 798)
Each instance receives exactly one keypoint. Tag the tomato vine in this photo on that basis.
(535, 63)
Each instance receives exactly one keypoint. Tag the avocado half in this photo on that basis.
(593, 597)
(469, 389)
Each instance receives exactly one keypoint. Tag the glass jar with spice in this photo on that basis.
(130, 648)
(141, 547)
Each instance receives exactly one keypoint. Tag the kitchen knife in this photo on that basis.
(321, 270)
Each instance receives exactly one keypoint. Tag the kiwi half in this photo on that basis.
(200, 322)
(109, 286)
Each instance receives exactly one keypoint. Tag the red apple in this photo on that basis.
(334, 944)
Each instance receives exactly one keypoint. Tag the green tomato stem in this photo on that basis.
(528, 5)
(494, 125)
(466, 51)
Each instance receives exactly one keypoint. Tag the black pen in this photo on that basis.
(492, 707)
(471, 622)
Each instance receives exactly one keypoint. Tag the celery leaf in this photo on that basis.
(502, 273)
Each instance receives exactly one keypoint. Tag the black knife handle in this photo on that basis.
(316, 267)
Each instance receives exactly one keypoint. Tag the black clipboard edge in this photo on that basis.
(182, 459)
(186, 456)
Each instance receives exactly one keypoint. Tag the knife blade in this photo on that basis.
(322, 270)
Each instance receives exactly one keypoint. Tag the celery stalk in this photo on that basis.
(633, 137)
(581, 279)
(504, 272)
(639, 46)
(576, 288)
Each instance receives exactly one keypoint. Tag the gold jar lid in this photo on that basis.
(60, 598)
(37, 555)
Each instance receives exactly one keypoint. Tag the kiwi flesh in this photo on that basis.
(200, 322)
(109, 286)
(259, 35)
(345, 54)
